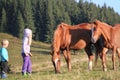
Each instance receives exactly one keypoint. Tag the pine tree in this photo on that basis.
(92, 12)
(3, 21)
(11, 8)
(83, 11)
(28, 15)
(49, 20)
(39, 20)
(72, 10)
(60, 14)
(20, 23)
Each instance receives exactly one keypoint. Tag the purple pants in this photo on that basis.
(26, 64)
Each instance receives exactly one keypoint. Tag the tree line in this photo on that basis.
(43, 16)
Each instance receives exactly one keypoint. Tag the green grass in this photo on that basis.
(43, 69)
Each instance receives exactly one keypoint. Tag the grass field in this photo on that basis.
(43, 69)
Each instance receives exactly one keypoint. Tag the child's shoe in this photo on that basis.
(29, 73)
(24, 74)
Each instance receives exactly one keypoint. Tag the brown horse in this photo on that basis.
(111, 37)
(67, 37)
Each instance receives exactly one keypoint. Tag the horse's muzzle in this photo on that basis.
(93, 40)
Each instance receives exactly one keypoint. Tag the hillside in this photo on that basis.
(42, 68)
(38, 49)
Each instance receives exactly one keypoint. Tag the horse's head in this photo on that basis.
(96, 31)
(55, 58)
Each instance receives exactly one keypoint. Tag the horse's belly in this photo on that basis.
(79, 45)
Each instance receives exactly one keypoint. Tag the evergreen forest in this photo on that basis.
(43, 16)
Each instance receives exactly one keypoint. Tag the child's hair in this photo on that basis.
(30, 38)
(4, 42)
(28, 33)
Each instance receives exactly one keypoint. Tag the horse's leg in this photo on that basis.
(67, 58)
(114, 58)
(96, 57)
(90, 56)
(118, 50)
(56, 62)
(103, 57)
(98, 51)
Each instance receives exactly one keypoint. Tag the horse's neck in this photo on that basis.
(106, 31)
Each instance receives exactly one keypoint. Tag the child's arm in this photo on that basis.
(27, 54)
(5, 54)
(30, 54)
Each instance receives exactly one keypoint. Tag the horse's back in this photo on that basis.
(81, 36)
(74, 36)
(84, 26)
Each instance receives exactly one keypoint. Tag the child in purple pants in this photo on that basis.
(26, 42)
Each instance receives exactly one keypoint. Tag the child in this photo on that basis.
(4, 58)
(26, 42)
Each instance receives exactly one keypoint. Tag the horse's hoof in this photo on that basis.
(105, 69)
(115, 69)
(58, 72)
(90, 69)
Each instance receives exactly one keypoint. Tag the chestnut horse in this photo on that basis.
(111, 39)
(66, 38)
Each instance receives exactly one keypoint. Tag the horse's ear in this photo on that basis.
(62, 25)
(92, 25)
(96, 22)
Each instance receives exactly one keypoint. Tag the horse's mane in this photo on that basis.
(97, 22)
(116, 26)
(55, 37)
(64, 24)
(80, 26)
(85, 26)
(59, 35)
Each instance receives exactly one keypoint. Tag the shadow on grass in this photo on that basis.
(43, 72)
(41, 47)
(41, 52)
